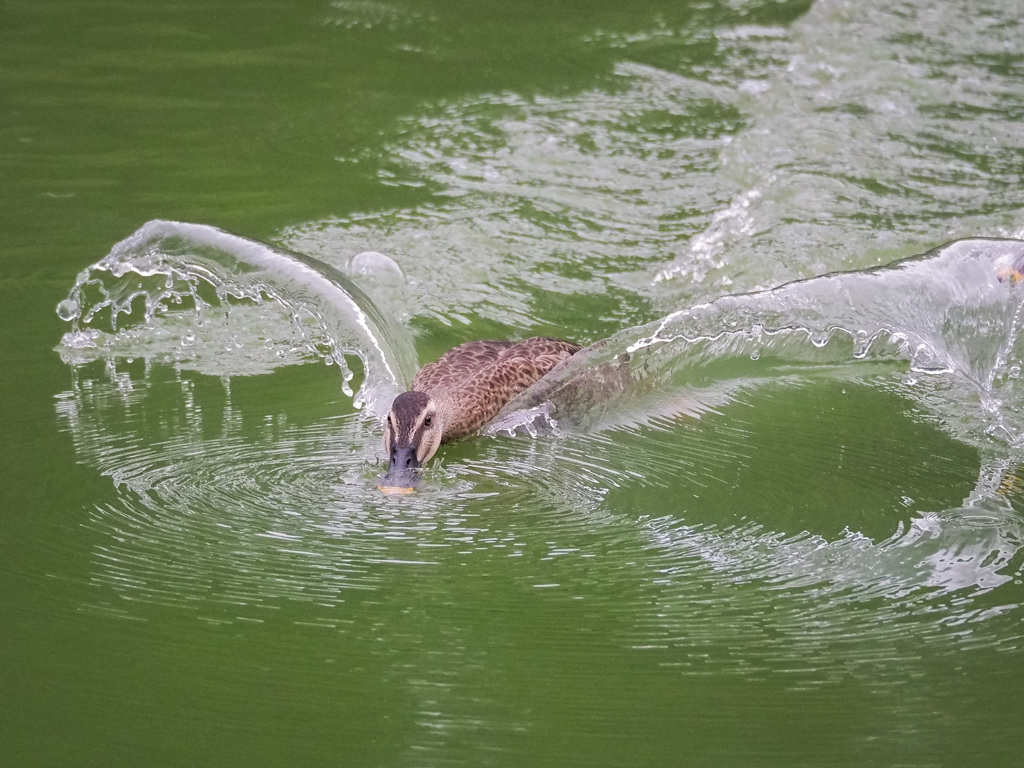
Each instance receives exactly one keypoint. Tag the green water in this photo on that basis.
(195, 567)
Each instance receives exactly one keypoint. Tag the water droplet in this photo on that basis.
(820, 339)
(756, 354)
(68, 309)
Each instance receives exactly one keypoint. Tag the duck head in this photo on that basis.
(412, 433)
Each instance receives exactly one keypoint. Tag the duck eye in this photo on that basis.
(426, 421)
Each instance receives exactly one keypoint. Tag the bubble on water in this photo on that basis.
(375, 265)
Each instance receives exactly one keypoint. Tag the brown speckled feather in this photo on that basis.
(472, 381)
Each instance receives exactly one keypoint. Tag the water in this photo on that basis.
(772, 514)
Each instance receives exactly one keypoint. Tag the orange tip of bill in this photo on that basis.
(396, 490)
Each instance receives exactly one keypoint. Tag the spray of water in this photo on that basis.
(132, 301)
(951, 319)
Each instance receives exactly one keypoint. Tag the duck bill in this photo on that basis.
(403, 472)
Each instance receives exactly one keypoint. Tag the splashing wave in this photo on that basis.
(288, 512)
(955, 314)
(166, 267)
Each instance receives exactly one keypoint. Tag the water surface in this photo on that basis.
(753, 525)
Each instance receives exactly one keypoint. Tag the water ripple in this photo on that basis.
(727, 507)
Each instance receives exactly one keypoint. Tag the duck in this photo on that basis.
(456, 395)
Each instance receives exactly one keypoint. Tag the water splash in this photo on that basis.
(197, 295)
(954, 315)
(942, 329)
